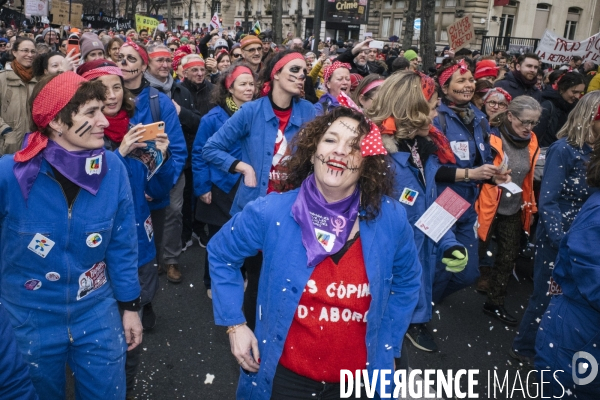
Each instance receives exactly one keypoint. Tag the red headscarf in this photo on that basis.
(461, 65)
(329, 70)
(46, 106)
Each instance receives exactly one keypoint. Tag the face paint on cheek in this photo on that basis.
(337, 166)
(83, 128)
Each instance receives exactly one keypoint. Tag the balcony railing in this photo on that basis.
(511, 45)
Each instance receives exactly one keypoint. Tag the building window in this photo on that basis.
(218, 7)
(450, 3)
(571, 24)
(400, 4)
(438, 3)
(397, 26)
(385, 27)
(506, 25)
(542, 6)
(388, 3)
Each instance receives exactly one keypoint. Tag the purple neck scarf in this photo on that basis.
(325, 226)
(85, 168)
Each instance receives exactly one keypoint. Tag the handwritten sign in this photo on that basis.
(60, 14)
(144, 22)
(36, 7)
(461, 33)
(555, 50)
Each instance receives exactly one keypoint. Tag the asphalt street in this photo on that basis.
(187, 356)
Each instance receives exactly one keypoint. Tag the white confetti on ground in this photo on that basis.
(209, 379)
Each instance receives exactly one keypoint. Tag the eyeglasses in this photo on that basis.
(237, 55)
(495, 104)
(25, 51)
(253, 50)
(172, 49)
(2, 44)
(531, 124)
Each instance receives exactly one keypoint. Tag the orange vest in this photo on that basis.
(489, 197)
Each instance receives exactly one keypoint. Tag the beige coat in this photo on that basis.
(14, 111)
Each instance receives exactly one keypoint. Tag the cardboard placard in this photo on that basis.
(36, 7)
(60, 14)
(461, 33)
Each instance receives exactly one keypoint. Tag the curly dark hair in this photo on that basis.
(376, 176)
(220, 92)
(40, 63)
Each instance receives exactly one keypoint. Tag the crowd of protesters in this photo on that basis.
(303, 173)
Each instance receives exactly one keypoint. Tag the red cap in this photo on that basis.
(486, 68)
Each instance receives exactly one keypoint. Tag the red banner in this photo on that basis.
(501, 3)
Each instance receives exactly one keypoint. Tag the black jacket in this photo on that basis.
(516, 88)
(201, 95)
(189, 118)
(372, 67)
(554, 116)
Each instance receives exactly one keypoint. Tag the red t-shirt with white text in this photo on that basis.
(280, 153)
(330, 325)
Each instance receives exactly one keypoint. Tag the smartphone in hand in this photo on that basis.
(152, 131)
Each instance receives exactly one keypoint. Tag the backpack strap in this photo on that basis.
(154, 104)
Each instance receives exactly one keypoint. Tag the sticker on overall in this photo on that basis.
(40, 245)
(91, 280)
(52, 276)
(33, 284)
(326, 239)
(94, 240)
(554, 288)
(481, 147)
(461, 150)
(149, 228)
(409, 196)
(93, 165)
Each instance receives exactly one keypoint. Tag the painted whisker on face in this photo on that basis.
(83, 128)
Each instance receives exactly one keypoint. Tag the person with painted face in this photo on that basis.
(564, 191)
(216, 189)
(523, 80)
(73, 263)
(558, 100)
(264, 129)
(338, 168)
(119, 137)
(467, 130)
(336, 78)
(502, 214)
(133, 63)
(418, 150)
(159, 76)
(15, 87)
(567, 339)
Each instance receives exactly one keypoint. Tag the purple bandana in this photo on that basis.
(85, 168)
(325, 226)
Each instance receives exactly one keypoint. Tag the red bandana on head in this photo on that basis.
(371, 144)
(461, 65)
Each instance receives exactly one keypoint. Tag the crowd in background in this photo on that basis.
(347, 130)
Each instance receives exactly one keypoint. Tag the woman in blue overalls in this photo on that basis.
(68, 245)
(467, 130)
(563, 192)
(416, 148)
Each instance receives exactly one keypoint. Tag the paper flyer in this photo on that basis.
(503, 167)
(149, 156)
(442, 214)
(511, 187)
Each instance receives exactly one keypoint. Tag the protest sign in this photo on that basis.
(555, 50)
(461, 33)
(143, 22)
(60, 14)
(36, 7)
(98, 21)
